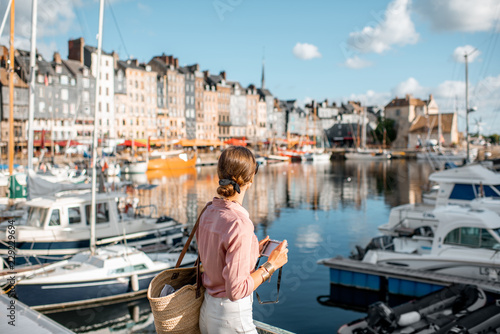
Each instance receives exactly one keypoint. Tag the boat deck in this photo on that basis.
(400, 280)
(26, 320)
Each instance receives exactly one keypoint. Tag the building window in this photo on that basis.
(86, 82)
(398, 112)
(64, 94)
(41, 107)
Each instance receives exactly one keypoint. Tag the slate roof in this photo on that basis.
(264, 92)
(94, 49)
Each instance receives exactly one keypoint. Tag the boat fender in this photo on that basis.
(134, 282)
(409, 318)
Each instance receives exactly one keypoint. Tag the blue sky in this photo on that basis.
(364, 50)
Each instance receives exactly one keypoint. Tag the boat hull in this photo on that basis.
(47, 294)
(171, 162)
(136, 167)
(35, 252)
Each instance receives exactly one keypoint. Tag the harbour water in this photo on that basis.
(322, 209)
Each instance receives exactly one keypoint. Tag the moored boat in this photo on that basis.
(111, 272)
(424, 315)
(59, 226)
(171, 160)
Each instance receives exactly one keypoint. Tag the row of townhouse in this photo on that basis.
(158, 99)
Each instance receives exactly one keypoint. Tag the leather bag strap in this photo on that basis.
(188, 242)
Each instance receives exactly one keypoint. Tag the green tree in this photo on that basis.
(389, 125)
(494, 139)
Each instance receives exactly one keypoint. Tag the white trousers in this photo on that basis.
(222, 316)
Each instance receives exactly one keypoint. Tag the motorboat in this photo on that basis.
(58, 226)
(428, 314)
(458, 241)
(446, 155)
(112, 271)
(462, 185)
(171, 160)
(368, 154)
(134, 167)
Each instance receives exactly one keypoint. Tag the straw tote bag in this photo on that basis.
(179, 312)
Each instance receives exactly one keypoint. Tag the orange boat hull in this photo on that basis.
(171, 162)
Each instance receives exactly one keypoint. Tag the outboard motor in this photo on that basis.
(458, 330)
(381, 317)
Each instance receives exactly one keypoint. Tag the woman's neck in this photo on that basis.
(238, 198)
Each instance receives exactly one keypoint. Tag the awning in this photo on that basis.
(236, 142)
(199, 142)
(137, 143)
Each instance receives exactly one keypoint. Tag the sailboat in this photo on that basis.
(364, 153)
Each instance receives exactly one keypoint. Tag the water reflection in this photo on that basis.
(314, 186)
(127, 317)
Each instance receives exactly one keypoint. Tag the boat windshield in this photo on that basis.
(37, 216)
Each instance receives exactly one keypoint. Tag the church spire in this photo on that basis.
(263, 83)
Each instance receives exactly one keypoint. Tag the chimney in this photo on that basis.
(408, 97)
(223, 75)
(115, 59)
(135, 62)
(431, 97)
(176, 62)
(57, 58)
(206, 74)
(75, 49)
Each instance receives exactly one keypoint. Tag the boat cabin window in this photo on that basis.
(102, 213)
(472, 237)
(122, 270)
(488, 191)
(74, 215)
(463, 192)
(37, 216)
(55, 218)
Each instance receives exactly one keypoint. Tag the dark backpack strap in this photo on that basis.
(188, 242)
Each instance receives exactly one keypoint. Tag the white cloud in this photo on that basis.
(370, 98)
(394, 28)
(450, 96)
(458, 53)
(306, 51)
(409, 86)
(357, 63)
(54, 19)
(459, 15)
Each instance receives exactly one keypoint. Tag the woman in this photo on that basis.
(229, 249)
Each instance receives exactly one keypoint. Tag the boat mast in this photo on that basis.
(94, 135)
(32, 84)
(363, 129)
(467, 104)
(11, 89)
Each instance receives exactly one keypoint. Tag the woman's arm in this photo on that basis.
(277, 259)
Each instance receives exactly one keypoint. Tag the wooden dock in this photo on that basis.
(400, 280)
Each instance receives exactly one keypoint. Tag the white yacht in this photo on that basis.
(58, 226)
(113, 271)
(461, 241)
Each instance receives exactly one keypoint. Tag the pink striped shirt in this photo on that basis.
(228, 249)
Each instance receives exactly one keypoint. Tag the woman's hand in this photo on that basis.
(262, 243)
(279, 256)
